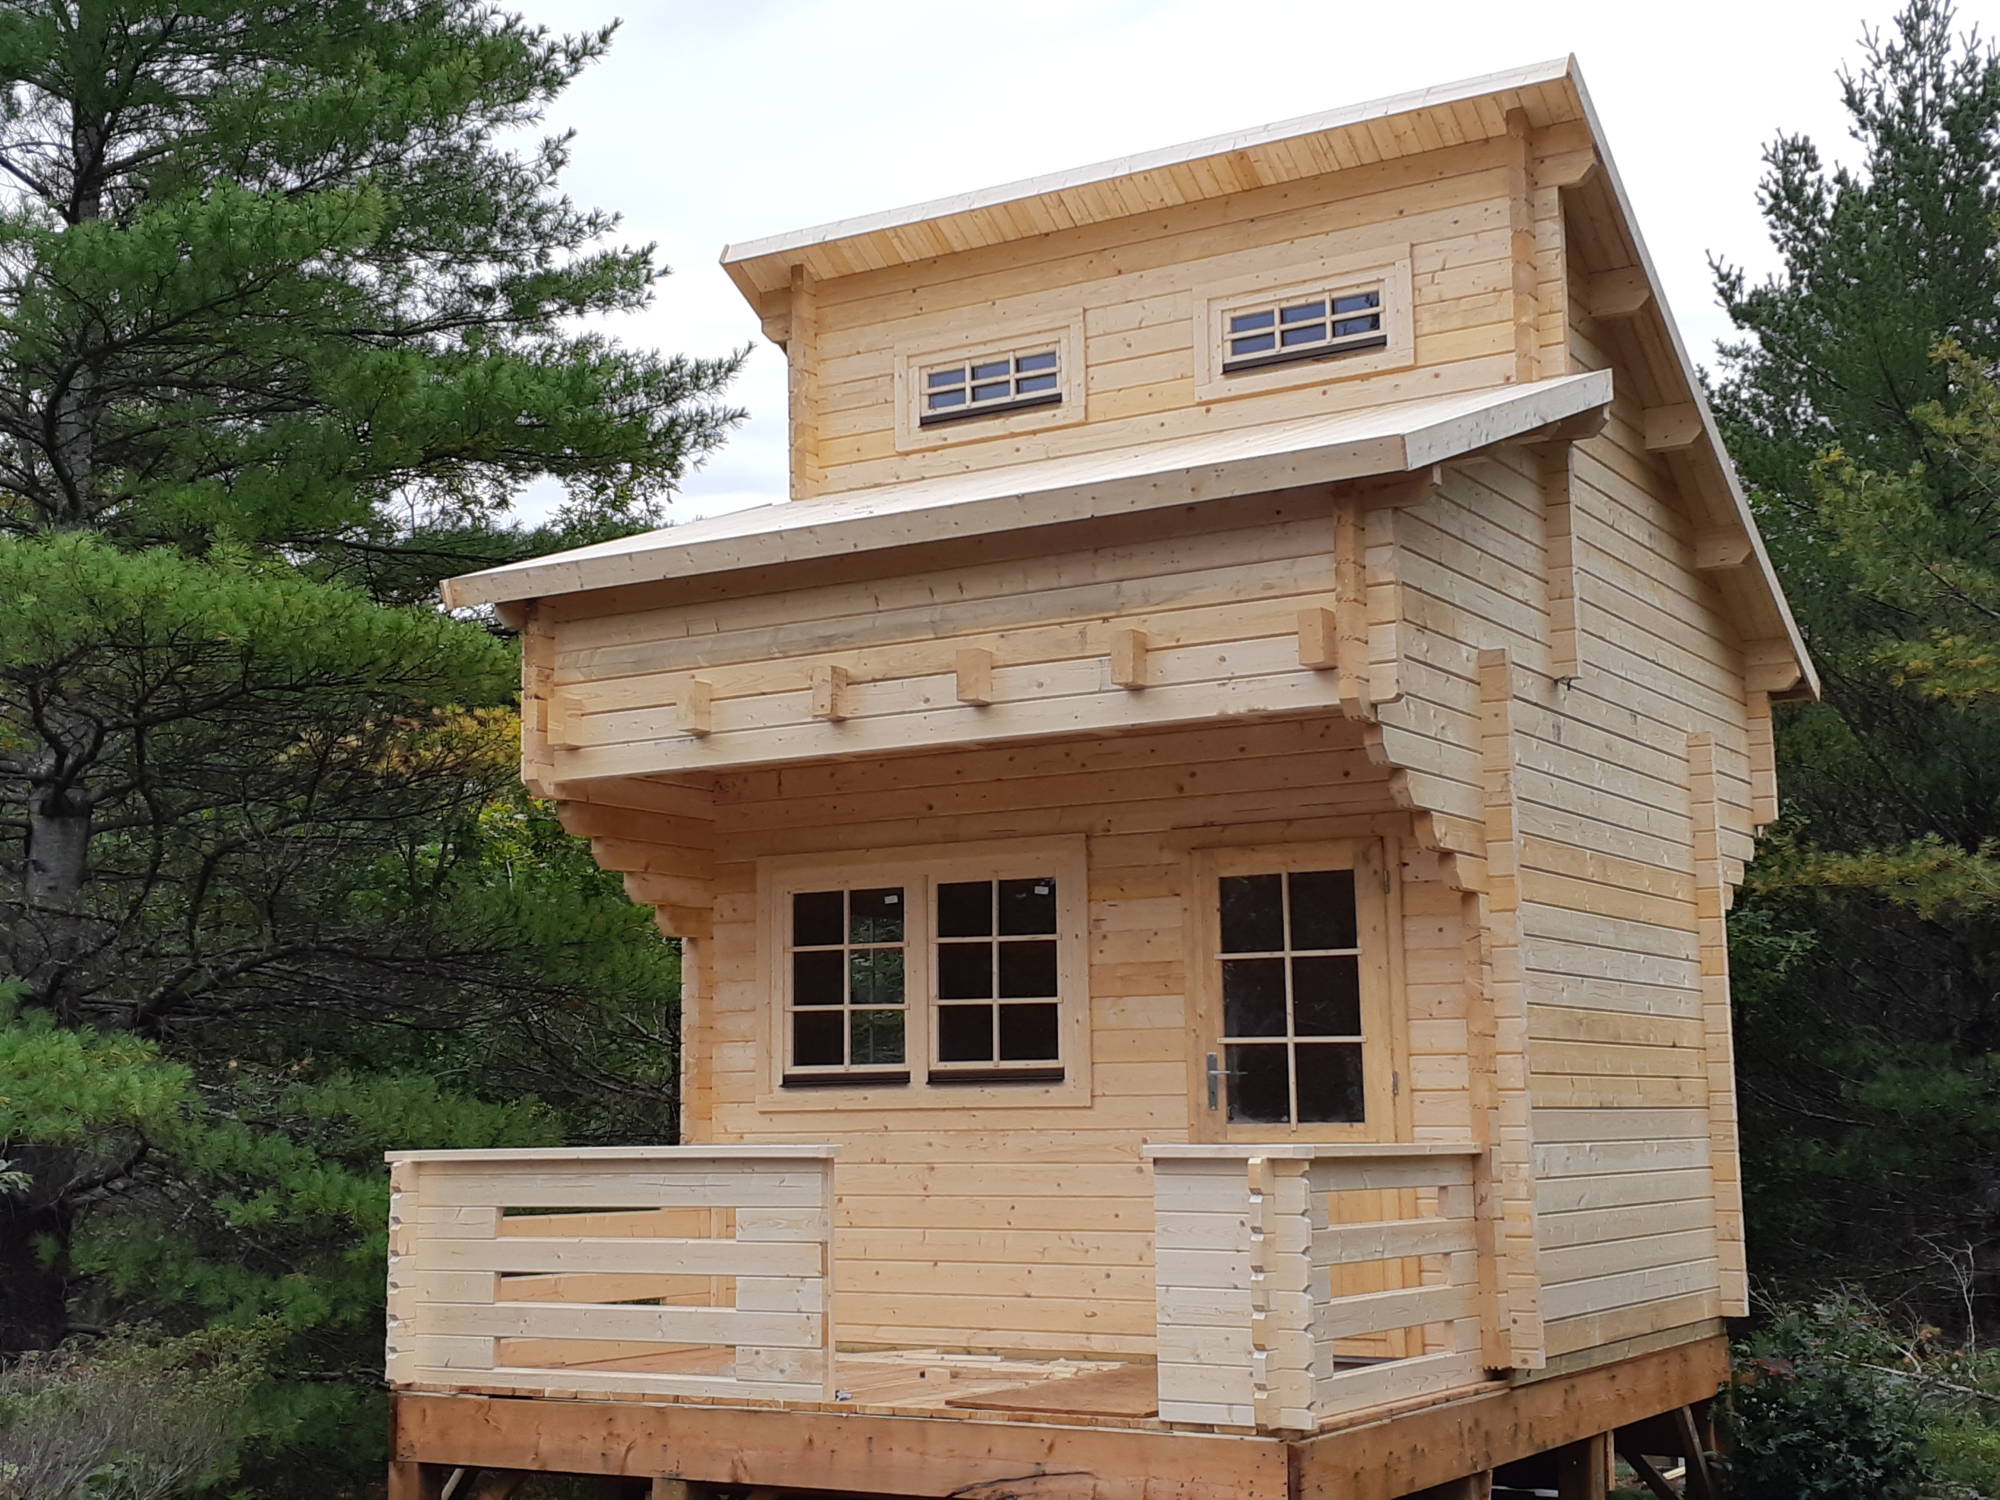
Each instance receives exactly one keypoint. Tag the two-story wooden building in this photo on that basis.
(1201, 833)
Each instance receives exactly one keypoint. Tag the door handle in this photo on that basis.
(1214, 1082)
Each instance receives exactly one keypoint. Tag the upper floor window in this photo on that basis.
(991, 384)
(1315, 326)
(1004, 377)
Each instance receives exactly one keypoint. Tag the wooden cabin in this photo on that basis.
(1200, 832)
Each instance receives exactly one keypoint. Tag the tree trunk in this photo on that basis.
(34, 1264)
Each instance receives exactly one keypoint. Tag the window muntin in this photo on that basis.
(990, 384)
(1311, 325)
(1291, 1002)
(847, 994)
(997, 976)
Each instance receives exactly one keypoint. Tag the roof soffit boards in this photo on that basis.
(1607, 244)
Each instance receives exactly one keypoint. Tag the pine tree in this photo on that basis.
(289, 314)
(1859, 407)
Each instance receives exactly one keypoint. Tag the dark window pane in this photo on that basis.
(941, 399)
(1028, 970)
(1330, 1082)
(1312, 334)
(816, 1039)
(1042, 361)
(1244, 322)
(1027, 907)
(875, 976)
(990, 392)
(1259, 1088)
(1031, 383)
(1357, 302)
(816, 918)
(877, 1036)
(875, 916)
(1322, 909)
(957, 377)
(1326, 996)
(1028, 1033)
(816, 978)
(965, 1033)
(965, 908)
(1302, 312)
(991, 369)
(965, 971)
(1253, 997)
(1347, 326)
(1253, 916)
(1257, 343)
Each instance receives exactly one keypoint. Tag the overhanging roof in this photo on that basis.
(1322, 449)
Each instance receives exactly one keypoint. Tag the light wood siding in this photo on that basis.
(1009, 1228)
(1479, 236)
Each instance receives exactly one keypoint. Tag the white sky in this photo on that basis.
(712, 122)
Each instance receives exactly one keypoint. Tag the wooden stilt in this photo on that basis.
(1583, 1470)
(1695, 1447)
(415, 1481)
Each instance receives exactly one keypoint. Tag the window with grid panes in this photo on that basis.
(989, 385)
(1292, 1032)
(848, 1005)
(996, 981)
(1316, 325)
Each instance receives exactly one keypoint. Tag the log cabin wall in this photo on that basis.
(1478, 240)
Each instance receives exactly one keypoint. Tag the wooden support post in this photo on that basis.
(415, 1481)
(1128, 658)
(1643, 1466)
(697, 707)
(802, 381)
(1472, 1487)
(1699, 1484)
(974, 669)
(829, 690)
(1583, 1470)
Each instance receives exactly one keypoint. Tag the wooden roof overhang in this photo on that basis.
(1621, 284)
(667, 704)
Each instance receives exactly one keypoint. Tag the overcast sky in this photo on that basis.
(712, 122)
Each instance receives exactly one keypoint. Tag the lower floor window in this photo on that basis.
(961, 975)
(1290, 961)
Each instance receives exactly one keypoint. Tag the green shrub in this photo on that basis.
(130, 1418)
(1817, 1411)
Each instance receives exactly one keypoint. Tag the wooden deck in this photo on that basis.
(930, 1447)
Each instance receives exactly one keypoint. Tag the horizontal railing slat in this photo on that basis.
(1391, 1239)
(677, 1257)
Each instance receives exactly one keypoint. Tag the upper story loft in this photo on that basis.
(1126, 361)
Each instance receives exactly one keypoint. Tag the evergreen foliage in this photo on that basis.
(289, 315)
(1860, 406)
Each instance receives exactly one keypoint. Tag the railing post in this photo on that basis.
(1480, 1269)
(758, 1366)
(1282, 1217)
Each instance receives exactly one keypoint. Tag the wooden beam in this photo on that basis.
(1669, 429)
(974, 670)
(1618, 294)
(835, 1450)
(1722, 548)
(697, 707)
(1642, 1466)
(1319, 639)
(1128, 658)
(829, 692)
(1394, 490)
(1567, 169)
(1389, 1458)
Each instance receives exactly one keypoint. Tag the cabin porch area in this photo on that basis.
(1294, 1284)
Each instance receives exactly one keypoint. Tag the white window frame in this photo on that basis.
(919, 870)
(923, 353)
(1330, 277)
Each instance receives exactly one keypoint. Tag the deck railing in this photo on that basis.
(1297, 1283)
(672, 1271)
